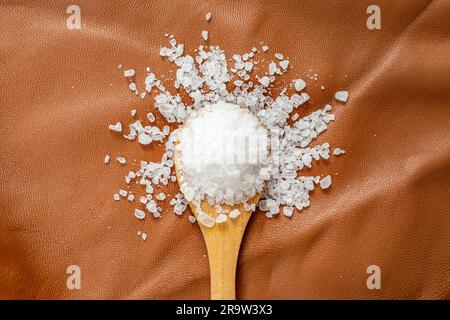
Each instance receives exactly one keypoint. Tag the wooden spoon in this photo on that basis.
(222, 242)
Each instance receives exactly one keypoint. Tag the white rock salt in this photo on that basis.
(325, 183)
(221, 218)
(234, 213)
(338, 151)
(299, 84)
(217, 163)
(129, 73)
(206, 219)
(138, 213)
(341, 96)
(116, 127)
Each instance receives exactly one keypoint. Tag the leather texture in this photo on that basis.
(388, 205)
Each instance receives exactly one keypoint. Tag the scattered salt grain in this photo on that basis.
(265, 81)
(299, 84)
(143, 199)
(284, 64)
(288, 211)
(129, 73)
(341, 96)
(138, 213)
(279, 56)
(144, 138)
(206, 219)
(121, 160)
(144, 236)
(107, 158)
(325, 183)
(338, 151)
(117, 197)
(151, 117)
(133, 112)
(234, 213)
(221, 218)
(161, 196)
(265, 48)
(130, 197)
(205, 35)
(192, 218)
(123, 192)
(208, 16)
(116, 127)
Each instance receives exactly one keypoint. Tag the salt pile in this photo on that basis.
(223, 155)
(209, 77)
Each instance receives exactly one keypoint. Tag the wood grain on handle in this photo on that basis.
(223, 242)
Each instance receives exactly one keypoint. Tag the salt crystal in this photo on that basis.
(288, 211)
(279, 56)
(341, 96)
(192, 218)
(284, 64)
(144, 236)
(206, 219)
(130, 197)
(121, 160)
(143, 200)
(144, 138)
(123, 193)
(138, 213)
(116, 127)
(325, 183)
(265, 81)
(338, 151)
(107, 158)
(234, 213)
(205, 35)
(117, 197)
(299, 84)
(150, 117)
(208, 16)
(129, 73)
(221, 218)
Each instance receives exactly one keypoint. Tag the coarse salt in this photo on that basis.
(138, 213)
(325, 183)
(341, 96)
(116, 127)
(129, 73)
(234, 213)
(299, 84)
(216, 162)
(206, 219)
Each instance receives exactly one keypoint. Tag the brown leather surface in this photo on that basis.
(389, 204)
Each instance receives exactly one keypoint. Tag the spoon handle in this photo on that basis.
(223, 242)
